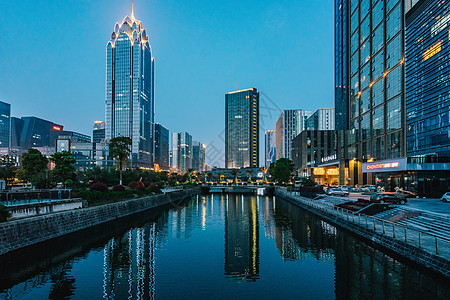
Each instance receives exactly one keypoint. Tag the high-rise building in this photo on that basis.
(290, 123)
(270, 149)
(162, 147)
(374, 31)
(37, 133)
(181, 151)
(16, 131)
(99, 132)
(242, 128)
(130, 89)
(198, 156)
(427, 98)
(75, 137)
(5, 125)
(321, 119)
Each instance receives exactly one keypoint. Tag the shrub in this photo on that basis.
(154, 188)
(137, 185)
(4, 213)
(118, 188)
(99, 186)
(68, 182)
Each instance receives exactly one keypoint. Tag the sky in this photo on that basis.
(53, 60)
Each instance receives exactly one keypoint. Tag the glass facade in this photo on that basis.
(342, 64)
(241, 129)
(428, 79)
(162, 146)
(130, 90)
(5, 125)
(270, 149)
(376, 104)
(198, 156)
(181, 151)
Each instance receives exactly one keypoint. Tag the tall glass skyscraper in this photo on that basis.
(270, 149)
(290, 123)
(130, 70)
(5, 125)
(242, 129)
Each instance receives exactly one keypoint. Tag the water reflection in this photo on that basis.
(212, 244)
(242, 237)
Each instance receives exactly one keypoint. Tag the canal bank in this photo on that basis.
(22, 233)
(419, 248)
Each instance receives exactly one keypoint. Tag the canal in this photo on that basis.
(217, 246)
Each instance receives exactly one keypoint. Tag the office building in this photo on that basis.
(290, 123)
(75, 137)
(270, 149)
(314, 155)
(5, 125)
(242, 128)
(181, 151)
(198, 156)
(374, 31)
(130, 89)
(37, 133)
(162, 147)
(99, 132)
(321, 119)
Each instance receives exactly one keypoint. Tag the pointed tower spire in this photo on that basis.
(132, 10)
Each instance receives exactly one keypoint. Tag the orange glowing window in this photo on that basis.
(56, 128)
(436, 48)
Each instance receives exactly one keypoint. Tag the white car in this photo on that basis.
(446, 197)
(337, 192)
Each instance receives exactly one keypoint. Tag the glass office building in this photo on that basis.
(181, 151)
(341, 51)
(198, 156)
(374, 33)
(242, 129)
(162, 147)
(289, 124)
(270, 149)
(130, 89)
(5, 125)
(428, 79)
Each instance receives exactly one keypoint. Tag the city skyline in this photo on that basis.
(78, 99)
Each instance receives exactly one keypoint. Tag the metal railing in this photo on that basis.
(424, 240)
(34, 196)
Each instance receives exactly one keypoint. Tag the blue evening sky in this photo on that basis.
(52, 59)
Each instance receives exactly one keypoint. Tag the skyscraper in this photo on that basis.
(5, 125)
(162, 147)
(99, 132)
(181, 151)
(198, 156)
(130, 89)
(321, 119)
(242, 128)
(290, 123)
(370, 81)
(270, 149)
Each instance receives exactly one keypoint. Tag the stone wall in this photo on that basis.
(416, 255)
(26, 232)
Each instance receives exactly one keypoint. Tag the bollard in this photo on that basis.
(393, 231)
(419, 241)
(382, 223)
(437, 253)
(405, 235)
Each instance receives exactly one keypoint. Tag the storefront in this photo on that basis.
(326, 173)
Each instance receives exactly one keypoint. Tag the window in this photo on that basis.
(365, 29)
(365, 76)
(365, 52)
(393, 52)
(354, 22)
(355, 42)
(365, 101)
(393, 82)
(378, 39)
(377, 14)
(393, 23)
(394, 114)
(378, 120)
(378, 93)
(377, 66)
(365, 126)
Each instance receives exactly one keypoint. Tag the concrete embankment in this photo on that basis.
(26, 232)
(377, 234)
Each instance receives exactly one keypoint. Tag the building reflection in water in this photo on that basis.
(242, 237)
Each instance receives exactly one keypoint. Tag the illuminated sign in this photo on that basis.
(57, 128)
(383, 166)
(389, 165)
(328, 158)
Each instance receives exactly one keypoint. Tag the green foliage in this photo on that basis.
(68, 182)
(64, 168)
(4, 213)
(119, 149)
(282, 170)
(98, 198)
(34, 166)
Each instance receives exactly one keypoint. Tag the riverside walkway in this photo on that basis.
(417, 243)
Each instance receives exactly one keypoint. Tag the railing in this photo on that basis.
(34, 196)
(415, 237)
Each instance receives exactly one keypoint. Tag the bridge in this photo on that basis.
(259, 189)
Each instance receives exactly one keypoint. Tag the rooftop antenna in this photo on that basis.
(132, 10)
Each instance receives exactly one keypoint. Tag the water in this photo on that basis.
(214, 247)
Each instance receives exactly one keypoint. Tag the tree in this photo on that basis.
(64, 168)
(235, 173)
(264, 170)
(119, 149)
(7, 168)
(282, 169)
(34, 166)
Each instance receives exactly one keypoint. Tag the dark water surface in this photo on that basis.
(214, 247)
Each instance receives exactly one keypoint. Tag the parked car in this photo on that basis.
(388, 198)
(446, 197)
(337, 192)
(371, 188)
